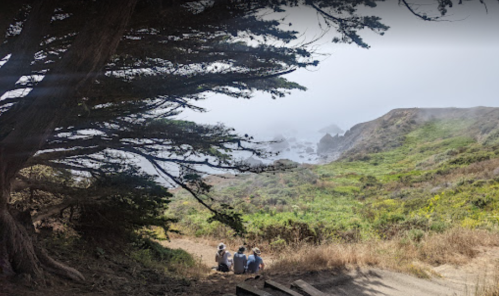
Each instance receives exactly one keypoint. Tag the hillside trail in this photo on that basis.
(204, 251)
(447, 280)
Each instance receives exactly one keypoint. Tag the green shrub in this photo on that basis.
(469, 159)
(415, 235)
(438, 226)
(278, 244)
(481, 201)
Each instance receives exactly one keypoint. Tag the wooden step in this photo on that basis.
(306, 289)
(280, 287)
(244, 289)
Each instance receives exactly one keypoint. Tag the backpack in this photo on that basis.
(223, 267)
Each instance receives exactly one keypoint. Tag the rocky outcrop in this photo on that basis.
(390, 130)
(279, 143)
(252, 162)
(328, 143)
(332, 129)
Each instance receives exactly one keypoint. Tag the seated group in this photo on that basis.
(240, 264)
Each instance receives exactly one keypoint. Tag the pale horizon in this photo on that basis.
(416, 64)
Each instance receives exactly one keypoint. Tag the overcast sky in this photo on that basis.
(416, 64)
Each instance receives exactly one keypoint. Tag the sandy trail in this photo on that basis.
(203, 251)
(454, 280)
(375, 281)
(482, 267)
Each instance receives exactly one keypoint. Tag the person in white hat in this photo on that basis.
(255, 262)
(223, 258)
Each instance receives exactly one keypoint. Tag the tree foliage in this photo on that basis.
(171, 55)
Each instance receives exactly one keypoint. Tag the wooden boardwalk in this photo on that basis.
(297, 288)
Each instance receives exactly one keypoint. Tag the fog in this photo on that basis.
(453, 63)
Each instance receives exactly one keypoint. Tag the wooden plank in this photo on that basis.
(280, 287)
(306, 289)
(244, 289)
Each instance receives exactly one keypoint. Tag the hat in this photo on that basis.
(242, 249)
(256, 251)
(221, 246)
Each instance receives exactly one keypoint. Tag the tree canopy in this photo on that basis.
(87, 85)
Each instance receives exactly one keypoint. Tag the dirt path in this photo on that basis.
(453, 280)
(481, 270)
(448, 279)
(375, 281)
(203, 251)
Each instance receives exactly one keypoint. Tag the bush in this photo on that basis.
(416, 235)
(469, 159)
(439, 226)
(369, 181)
(278, 244)
(481, 201)
(135, 201)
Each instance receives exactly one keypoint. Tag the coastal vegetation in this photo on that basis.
(438, 179)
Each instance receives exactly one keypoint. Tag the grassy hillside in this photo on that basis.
(390, 130)
(442, 173)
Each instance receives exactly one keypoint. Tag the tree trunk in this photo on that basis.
(50, 102)
(17, 251)
(20, 253)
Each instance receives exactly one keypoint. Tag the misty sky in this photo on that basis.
(416, 64)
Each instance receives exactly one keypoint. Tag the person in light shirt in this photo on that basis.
(223, 258)
(255, 262)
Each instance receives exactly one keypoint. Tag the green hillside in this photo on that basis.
(443, 173)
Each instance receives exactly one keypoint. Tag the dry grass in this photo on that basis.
(456, 246)
(487, 288)
(492, 290)
(479, 170)
(403, 254)
(196, 272)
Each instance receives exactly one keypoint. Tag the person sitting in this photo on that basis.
(240, 261)
(255, 262)
(223, 258)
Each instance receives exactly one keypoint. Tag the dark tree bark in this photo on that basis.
(8, 11)
(25, 133)
(27, 44)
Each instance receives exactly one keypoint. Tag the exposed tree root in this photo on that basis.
(20, 253)
(58, 268)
